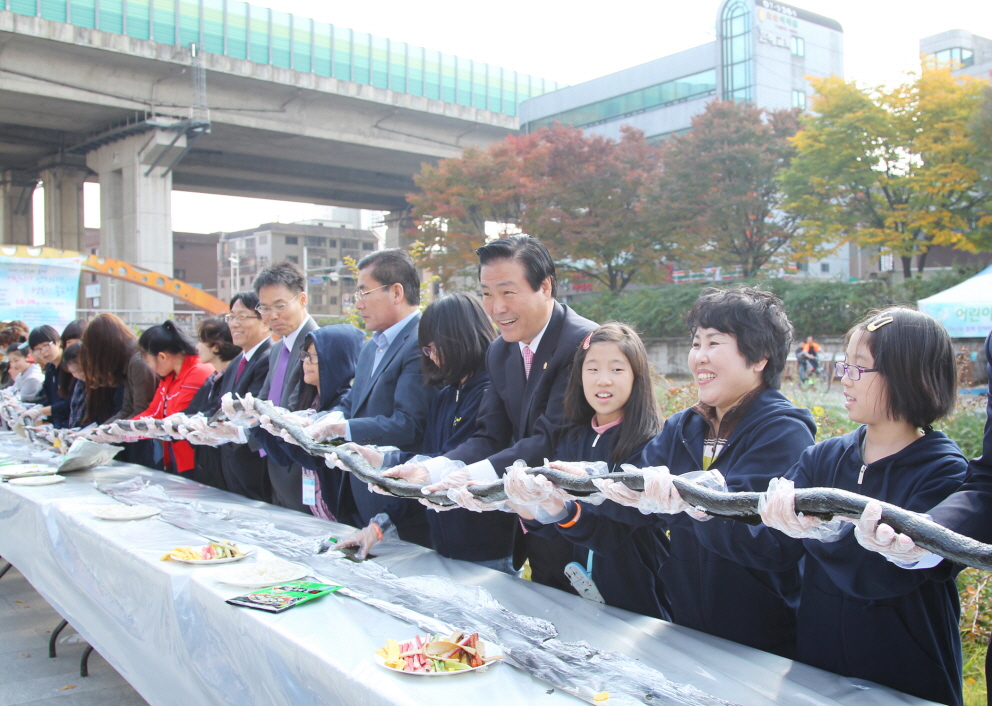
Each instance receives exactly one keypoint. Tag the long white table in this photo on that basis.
(166, 628)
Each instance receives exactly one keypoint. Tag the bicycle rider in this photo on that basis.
(808, 354)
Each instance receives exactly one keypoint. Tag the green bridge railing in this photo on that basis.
(243, 31)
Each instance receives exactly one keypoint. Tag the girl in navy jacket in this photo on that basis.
(613, 413)
(860, 615)
(454, 334)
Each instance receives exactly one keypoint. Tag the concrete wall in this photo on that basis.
(669, 356)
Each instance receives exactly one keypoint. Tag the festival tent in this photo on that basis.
(964, 309)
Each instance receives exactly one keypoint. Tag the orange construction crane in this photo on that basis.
(118, 269)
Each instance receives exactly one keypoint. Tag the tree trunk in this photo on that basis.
(921, 261)
(907, 267)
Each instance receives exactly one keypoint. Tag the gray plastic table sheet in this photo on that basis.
(165, 627)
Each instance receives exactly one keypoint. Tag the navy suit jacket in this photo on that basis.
(968, 511)
(388, 408)
(235, 458)
(521, 417)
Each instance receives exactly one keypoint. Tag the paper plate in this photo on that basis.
(491, 650)
(248, 551)
(37, 480)
(242, 575)
(21, 470)
(122, 512)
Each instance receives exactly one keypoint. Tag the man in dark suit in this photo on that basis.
(282, 303)
(388, 402)
(245, 470)
(522, 412)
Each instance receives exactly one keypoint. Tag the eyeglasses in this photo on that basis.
(241, 318)
(853, 372)
(429, 350)
(310, 358)
(42, 347)
(278, 308)
(360, 294)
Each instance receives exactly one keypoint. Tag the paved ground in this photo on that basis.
(28, 676)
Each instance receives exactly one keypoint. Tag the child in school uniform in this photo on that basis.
(860, 615)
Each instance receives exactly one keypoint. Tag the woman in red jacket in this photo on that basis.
(170, 353)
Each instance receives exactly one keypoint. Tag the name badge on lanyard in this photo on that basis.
(309, 490)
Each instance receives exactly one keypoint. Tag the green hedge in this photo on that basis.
(817, 307)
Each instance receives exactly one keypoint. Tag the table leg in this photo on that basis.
(84, 670)
(5, 569)
(55, 636)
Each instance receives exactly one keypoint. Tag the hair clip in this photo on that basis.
(879, 323)
(22, 346)
(586, 341)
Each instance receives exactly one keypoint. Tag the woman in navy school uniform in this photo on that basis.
(745, 427)
(860, 615)
(613, 413)
(455, 333)
(329, 355)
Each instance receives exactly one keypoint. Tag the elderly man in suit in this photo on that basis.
(388, 402)
(282, 303)
(529, 364)
(245, 470)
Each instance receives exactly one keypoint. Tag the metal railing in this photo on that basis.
(265, 36)
(140, 320)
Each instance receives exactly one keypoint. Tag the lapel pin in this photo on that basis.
(545, 367)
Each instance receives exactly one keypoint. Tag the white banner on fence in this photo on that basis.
(39, 290)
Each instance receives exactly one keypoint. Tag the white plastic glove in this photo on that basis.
(202, 433)
(265, 422)
(108, 435)
(777, 508)
(35, 413)
(412, 472)
(176, 425)
(245, 417)
(458, 478)
(881, 538)
(379, 528)
(464, 498)
(659, 495)
(330, 426)
(534, 497)
(435, 507)
(369, 453)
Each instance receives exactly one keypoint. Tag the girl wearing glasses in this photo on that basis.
(860, 615)
(45, 346)
(329, 357)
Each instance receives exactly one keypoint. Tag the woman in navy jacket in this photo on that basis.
(455, 334)
(743, 426)
(860, 615)
(611, 405)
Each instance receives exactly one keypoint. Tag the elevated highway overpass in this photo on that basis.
(104, 90)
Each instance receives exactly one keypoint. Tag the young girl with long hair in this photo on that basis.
(612, 414)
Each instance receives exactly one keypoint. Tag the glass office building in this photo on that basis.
(963, 52)
(764, 53)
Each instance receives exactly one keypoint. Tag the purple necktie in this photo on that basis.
(241, 368)
(279, 377)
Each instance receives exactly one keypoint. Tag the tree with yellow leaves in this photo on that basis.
(894, 168)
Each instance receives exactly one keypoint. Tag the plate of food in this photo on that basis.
(213, 553)
(261, 574)
(22, 470)
(37, 480)
(123, 512)
(438, 655)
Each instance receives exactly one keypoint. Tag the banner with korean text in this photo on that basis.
(39, 290)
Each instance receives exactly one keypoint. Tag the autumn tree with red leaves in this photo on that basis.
(581, 194)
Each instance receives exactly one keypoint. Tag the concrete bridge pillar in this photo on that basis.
(16, 208)
(400, 232)
(64, 205)
(136, 212)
